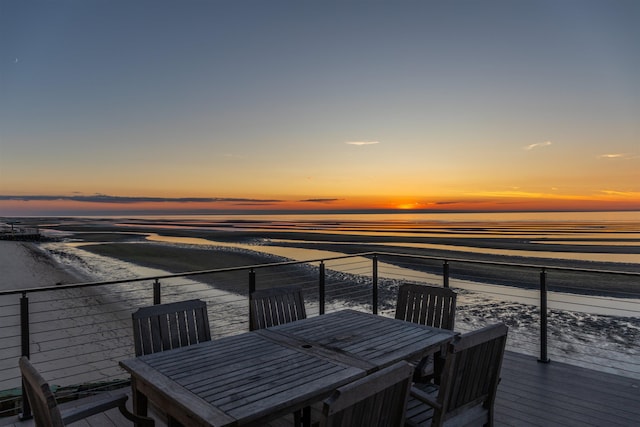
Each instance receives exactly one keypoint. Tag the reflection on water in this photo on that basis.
(620, 230)
(303, 254)
(531, 218)
(602, 257)
(557, 300)
(615, 229)
(521, 224)
(590, 242)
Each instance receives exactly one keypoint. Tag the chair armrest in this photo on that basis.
(83, 408)
(424, 398)
(79, 409)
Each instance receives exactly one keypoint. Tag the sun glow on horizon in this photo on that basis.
(408, 206)
(480, 202)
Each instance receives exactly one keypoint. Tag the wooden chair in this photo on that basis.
(427, 305)
(275, 306)
(468, 385)
(48, 413)
(379, 399)
(430, 306)
(165, 326)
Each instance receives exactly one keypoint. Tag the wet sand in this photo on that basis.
(181, 258)
(113, 240)
(24, 265)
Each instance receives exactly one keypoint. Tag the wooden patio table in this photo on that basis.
(254, 377)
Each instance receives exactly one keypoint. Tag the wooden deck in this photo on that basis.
(530, 394)
(557, 394)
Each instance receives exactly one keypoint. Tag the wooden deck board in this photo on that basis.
(557, 394)
(530, 394)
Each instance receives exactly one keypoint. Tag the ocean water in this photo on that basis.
(612, 237)
(585, 236)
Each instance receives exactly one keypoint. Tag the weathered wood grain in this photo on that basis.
(167, 326)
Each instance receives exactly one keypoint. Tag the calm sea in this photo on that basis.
(589, 236)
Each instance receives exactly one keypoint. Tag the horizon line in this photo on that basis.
(156, 212)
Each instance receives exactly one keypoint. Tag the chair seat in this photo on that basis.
(419, 414)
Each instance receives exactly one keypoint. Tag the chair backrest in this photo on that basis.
(379, 399)
(426, 305)
(275, 306)
(166, 326)
(43, 403)
(472, 372)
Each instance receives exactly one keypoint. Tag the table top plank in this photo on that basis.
(378, 340)
(318, 350)
(302, 387)
(182, 400)
(268, 377)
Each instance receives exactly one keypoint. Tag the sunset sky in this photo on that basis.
(128, 106)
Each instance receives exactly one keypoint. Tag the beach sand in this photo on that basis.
(24, 265)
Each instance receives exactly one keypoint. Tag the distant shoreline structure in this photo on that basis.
(8, 231)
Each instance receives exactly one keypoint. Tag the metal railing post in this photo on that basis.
(445, 274)
(375, 284)
(321, 288)
(252, 289)
(543, 317)
(25, 350)
(24, 324)
(156, 292)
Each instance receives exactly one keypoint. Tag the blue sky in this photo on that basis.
(458, 102)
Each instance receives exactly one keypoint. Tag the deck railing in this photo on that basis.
(76, 334)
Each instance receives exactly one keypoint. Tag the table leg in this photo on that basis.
(306, 416)
(302, 418)
(140, 401)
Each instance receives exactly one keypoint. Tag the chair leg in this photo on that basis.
(140, 409)
(438, 367)
(302, 418)
(140, 421)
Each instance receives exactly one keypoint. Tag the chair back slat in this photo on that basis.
(276, 306)
(166, 326)
(43, 403)
(426, 305)
(472, 372)
(379, 399)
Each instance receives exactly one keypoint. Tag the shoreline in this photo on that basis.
(25, 265)
(179, 258)
(128, 243)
